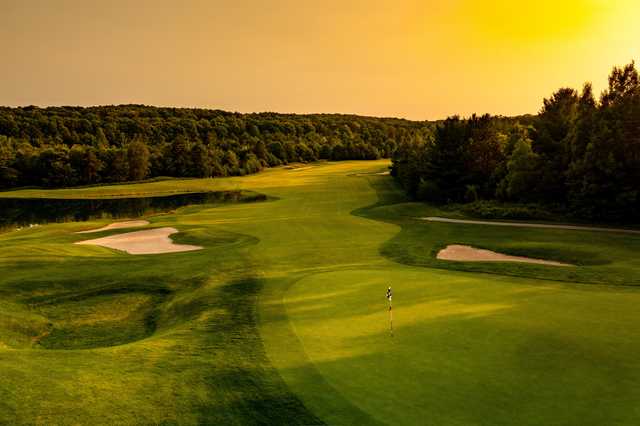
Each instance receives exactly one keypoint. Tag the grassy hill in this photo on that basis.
(282, 319)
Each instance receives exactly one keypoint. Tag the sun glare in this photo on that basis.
(536, 21)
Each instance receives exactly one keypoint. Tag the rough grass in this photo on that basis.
(281, 319)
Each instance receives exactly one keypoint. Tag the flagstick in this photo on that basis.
(391, 317)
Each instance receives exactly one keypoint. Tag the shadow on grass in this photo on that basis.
(256, 394)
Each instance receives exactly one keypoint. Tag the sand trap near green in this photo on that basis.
(117, 225)
(152, 241)
(462, 253)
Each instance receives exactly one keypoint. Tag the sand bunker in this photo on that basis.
(117, 225)
(152, 241)
(471, 254)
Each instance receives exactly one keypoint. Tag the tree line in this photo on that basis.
(68, 146)
(580, 154)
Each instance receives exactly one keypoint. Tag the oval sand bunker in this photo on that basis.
(117, 225)
(151, 241)
(462, 253)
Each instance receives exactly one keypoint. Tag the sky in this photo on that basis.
(403, 58)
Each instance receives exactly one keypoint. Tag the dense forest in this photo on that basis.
(580, 154)
(67, 146)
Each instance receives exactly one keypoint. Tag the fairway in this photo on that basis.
(281, 318)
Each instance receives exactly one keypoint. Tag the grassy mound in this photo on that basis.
(108, 318)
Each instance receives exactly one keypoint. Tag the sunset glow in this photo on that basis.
(305, 212)
(415, 59)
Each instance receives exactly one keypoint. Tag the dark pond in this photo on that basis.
(20, 212)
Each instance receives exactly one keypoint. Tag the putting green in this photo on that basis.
(470, 350)
(282, 319)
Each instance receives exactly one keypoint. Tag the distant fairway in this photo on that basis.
(281, 318)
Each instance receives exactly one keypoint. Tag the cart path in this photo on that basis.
(531, 225)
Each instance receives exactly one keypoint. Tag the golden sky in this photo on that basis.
(415, 59)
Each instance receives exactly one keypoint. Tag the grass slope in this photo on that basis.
(282, 318)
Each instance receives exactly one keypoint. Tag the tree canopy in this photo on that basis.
(579, 152)
(64, 146)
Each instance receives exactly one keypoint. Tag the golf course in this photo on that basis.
(275, 311)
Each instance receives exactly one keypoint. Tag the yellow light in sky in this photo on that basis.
(534, 21)
(410, 58)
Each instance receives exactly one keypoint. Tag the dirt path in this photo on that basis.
(531, 225)
(152, 241)
(462, 253)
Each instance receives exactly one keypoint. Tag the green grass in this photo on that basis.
(281, 319)
(604, 258)
(467, 350)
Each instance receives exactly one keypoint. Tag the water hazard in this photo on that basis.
(24, 212)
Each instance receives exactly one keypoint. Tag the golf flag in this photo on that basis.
(389, 297)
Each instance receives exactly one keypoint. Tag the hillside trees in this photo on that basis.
(579, 153)
(552, 143)
(61, 146)
(138, 157)
(459, 160)
(608, 173)
(522, 173)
